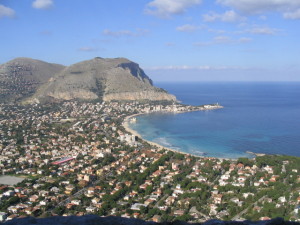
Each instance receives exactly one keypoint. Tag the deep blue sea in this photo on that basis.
(257, 117)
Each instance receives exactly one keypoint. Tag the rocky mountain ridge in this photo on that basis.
(96, 79)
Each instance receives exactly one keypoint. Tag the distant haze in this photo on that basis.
(178, 75)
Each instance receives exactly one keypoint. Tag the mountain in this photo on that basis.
(21, 77)
(103, 79)
(30, 80)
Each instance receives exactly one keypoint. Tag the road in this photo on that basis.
(80, 192)
(194, 210)
(245, 210)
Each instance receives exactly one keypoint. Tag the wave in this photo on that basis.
(164, 142)
(197, 152)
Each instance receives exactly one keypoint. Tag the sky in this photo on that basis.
(172, 40)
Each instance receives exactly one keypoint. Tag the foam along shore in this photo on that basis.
(133, 132)
(160, 147)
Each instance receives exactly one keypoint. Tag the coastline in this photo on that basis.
(160, 147)
(125, 124)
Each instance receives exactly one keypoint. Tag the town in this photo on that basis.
(76, 158)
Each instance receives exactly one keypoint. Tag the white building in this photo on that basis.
(3, 216)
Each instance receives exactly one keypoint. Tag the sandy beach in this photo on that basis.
(126, 125)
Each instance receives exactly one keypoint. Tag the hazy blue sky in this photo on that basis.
(170, 39)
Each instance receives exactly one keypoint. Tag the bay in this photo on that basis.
(258, 117)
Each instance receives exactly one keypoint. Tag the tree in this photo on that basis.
(59, 210)
(148, 190)
(143, 210)
(245, 161)
(185, 217)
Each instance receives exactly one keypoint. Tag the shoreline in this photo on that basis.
(125, 124)
(135, 133)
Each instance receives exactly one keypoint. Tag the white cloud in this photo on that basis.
(200, 68)
(289, 8)
(223, 40)
(184, 67)
(87, 49)
(187, 28)
(244, 40)
(216, 31)
(42, 4)
(262, 17)
(166, 8)
(228, 16)
(216, 40)
(259, 6)
(292, 14)
(258, 29)
(6, 12)
(262, 30)
(122, 33)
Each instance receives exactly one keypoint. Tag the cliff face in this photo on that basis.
(105, 79)
(21, 77)
(152, 95)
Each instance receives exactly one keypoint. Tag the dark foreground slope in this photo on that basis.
(20, 78)
(111, 220)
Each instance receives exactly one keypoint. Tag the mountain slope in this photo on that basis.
(103, 79)
(20, 78)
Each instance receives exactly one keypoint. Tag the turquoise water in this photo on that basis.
(258, 117)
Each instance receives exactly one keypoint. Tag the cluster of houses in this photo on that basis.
(14, 81)
(77, 160)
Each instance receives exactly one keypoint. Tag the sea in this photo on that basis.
(258, 117)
